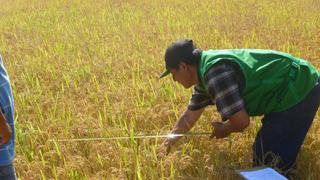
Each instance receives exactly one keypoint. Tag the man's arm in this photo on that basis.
(5, 130)
(199, 100)
(184, 124)
(224, 84)
(236, 123)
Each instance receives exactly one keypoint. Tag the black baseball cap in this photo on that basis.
(176, 53)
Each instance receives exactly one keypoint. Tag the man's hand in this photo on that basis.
(236, 123)
(5, 133)
(164, 149)
(185, 123)
(220, 130)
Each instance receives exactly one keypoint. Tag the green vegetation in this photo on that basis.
(90, 69)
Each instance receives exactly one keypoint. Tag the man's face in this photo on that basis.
(182, 75)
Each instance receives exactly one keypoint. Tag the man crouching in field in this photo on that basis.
(243, 83)
(7, 171)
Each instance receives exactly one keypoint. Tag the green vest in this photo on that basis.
(274, 81)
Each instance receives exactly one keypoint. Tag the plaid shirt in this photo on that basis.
(224, 85)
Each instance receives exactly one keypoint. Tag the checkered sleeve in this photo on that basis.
(199, 99)
(223, 86)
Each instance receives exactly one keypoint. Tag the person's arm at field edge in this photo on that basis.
(5, 130)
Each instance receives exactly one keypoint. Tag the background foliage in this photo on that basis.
(90, 69)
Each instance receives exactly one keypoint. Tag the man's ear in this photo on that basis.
(183, 66)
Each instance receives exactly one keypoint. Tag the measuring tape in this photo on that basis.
(133, 137)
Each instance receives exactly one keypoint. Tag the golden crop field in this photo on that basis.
(90, 68)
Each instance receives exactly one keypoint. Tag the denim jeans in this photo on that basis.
(282, 133)
(7, 172)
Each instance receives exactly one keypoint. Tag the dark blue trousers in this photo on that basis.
(8, 172)
(282, 133)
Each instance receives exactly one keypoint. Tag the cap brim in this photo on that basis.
(164, 74)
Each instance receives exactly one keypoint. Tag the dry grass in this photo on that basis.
(90, 68)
